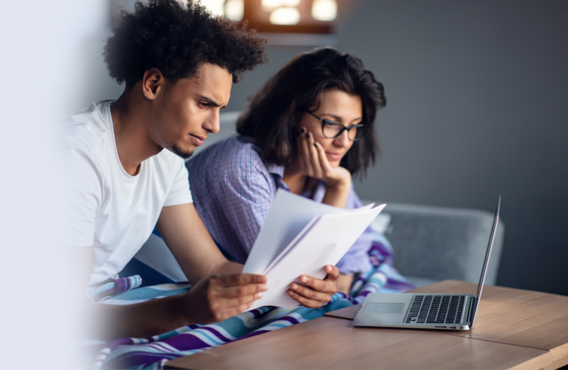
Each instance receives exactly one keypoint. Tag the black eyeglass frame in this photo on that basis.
(323, 122)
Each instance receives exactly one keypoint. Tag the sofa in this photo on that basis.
(430, 243)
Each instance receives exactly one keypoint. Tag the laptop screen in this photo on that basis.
(486, 261)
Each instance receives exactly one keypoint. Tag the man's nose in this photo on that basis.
(212, 122)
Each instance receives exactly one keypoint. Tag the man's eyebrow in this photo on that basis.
(210, 101)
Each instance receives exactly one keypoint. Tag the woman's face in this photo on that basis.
(338, 106)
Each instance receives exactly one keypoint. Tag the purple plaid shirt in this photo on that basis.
(233, 189)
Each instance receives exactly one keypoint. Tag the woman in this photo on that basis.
(308, 130)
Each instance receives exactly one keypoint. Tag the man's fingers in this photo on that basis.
(223, 304)
(230, 312)
(238, 279)
(242, 291)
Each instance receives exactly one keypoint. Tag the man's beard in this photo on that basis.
(182, 153)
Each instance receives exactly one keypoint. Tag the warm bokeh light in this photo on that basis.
(271, 4)
(324, 10)
(308, 17)
(215, 6)
(285, 16)
(235, 9)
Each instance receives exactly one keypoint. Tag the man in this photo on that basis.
(178, 64)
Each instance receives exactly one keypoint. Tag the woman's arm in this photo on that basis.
(314, 163)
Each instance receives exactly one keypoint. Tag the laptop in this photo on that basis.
(426, 310)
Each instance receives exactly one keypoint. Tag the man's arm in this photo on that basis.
(213, 298)
(189, 241)
(181, 227)
(210, 300)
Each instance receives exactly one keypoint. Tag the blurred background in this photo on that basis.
(477, 106)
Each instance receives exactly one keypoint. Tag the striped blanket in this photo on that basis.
(152, 353)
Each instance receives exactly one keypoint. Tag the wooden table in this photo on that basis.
(514, 329)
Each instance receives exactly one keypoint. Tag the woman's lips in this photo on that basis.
(334, 156)
(197, 140)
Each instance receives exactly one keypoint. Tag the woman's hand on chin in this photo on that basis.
(314, 163)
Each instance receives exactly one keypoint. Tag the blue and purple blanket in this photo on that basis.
(152, 353)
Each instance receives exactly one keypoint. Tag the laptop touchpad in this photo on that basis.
(384, 308)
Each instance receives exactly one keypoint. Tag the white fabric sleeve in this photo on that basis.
(179, 192)
(82, 198)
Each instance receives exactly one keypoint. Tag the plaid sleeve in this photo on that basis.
(247, 195)
(232, 192)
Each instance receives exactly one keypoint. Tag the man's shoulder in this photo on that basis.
(87, 128)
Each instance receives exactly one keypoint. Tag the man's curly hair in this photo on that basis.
(177, 40)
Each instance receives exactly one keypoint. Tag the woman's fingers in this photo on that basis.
(315, 292)
(314, 157)
(303, 153)
(309, 155)
(323, 162)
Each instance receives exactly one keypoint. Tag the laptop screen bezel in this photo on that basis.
(486, 261)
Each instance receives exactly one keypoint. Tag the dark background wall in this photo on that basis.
(477, 106)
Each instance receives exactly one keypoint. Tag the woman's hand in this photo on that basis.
(315, 292)
(314, 163)
(344, 283)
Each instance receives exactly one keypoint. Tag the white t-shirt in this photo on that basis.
(111, 210)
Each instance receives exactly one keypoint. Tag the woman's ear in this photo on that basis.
(152, 83)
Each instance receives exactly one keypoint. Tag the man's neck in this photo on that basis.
(133, 141)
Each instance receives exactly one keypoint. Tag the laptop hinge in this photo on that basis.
(471, 309)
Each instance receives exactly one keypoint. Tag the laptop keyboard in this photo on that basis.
(437, 309)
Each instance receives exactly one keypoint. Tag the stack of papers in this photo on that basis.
(300, 237)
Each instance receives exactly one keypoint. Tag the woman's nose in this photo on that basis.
(343, 139)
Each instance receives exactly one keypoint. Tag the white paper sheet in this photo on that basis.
(289, 214)
(302, 237)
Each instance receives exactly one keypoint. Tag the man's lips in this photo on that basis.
(197, 140)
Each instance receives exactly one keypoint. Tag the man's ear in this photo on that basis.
(153, 83)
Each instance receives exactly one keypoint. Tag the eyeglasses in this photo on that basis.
(332, 129)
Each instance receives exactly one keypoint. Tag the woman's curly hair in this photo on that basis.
(177, 40)
(275, 110)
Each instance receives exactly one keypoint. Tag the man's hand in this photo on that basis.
(218, 297)
(316, 292)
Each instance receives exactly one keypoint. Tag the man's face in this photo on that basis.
(188, 110)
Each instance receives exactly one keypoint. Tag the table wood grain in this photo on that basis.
(506, 315)
(532, 335)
